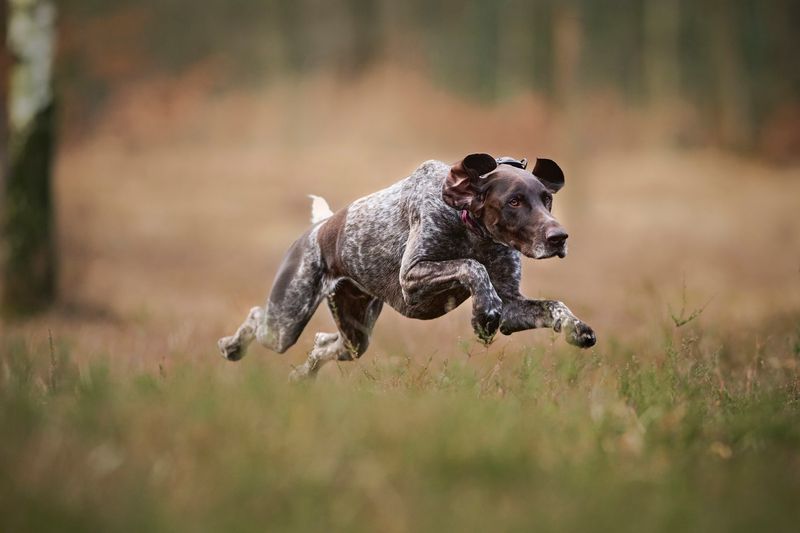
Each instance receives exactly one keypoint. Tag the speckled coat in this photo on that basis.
(407, 247)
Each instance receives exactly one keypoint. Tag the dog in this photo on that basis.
(423, 246)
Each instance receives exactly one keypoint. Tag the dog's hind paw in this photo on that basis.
(230, 348)
(580, 335)
(306, 372)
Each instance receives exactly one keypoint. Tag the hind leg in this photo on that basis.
(295, 295)
(235, 346)
(355, 313)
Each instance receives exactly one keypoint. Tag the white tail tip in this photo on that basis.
(320, 210)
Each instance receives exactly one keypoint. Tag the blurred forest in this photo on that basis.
(707, 72)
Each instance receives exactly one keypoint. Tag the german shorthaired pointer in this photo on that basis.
(423, 246)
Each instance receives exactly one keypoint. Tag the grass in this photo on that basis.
(690, 432)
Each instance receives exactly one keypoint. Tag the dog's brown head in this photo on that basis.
(512, 204)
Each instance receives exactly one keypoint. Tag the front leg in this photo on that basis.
(431, 288)
(519, 315)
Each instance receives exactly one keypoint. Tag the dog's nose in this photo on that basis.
(556, 236)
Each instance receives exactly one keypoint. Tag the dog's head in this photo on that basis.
(513, 205)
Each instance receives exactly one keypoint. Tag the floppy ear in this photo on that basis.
(549, 173)
(461, 185)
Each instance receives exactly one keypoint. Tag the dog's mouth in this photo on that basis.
(541, 251)
(561, 254)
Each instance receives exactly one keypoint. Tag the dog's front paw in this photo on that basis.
(485, 324)
(580, 334)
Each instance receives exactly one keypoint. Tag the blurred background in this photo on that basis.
(189, 134)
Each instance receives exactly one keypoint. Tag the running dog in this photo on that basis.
(423, 246)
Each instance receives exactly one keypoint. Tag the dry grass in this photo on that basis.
(674, 434)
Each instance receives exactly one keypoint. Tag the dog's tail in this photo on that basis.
(320, 210)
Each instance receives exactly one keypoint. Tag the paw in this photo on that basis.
(323, 339)
(299, 375)
(580, 335)
(485, 325)
(305, 372)
(230, 348)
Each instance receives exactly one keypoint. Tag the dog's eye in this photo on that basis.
(514, 202)
(547, 200)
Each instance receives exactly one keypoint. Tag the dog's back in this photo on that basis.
(366, 240)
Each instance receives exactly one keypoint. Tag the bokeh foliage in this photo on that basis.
(733, 61)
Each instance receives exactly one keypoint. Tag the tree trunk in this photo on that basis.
(568, 47)
(29, 274)
(662, 68)
(736, 128)
(5, 61)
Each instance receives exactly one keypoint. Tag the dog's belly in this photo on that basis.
(430, 306)
(433, 305)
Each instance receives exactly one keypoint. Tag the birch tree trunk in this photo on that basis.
(29, 273)
(5, 60)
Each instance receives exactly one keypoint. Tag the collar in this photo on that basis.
(472, 225)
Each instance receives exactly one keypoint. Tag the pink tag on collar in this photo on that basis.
(470, 223)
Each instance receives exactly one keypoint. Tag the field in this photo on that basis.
(548, 439)
(175, 208)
